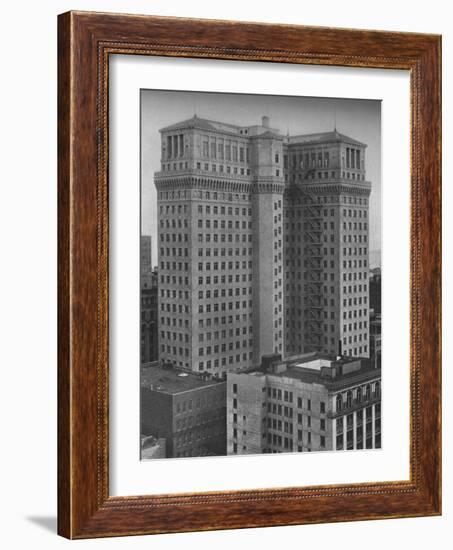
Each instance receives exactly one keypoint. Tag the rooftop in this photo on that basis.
(156, 377)
(262, 130)
(334, 373)
(322, 137)
(202, 124)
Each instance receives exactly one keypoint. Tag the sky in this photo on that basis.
(357, 118)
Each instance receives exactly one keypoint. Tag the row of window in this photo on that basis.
(202, 323)
(355, 339)
(209, 308)
(173, 223)
(223, 292)
(359, 351)
(223, 210)
(356, 238)
(216, 266)
(308, 159)
(173, 322)
(208, 336)
(355, 326)
(357, 396)
(175, 308)
(221, 168)
(174, 280)
(323, 175)
(354, 226)
(223, 348)
(174, 237)
(223, 361)
(223, 224)
(354, 313)
(223, 251)
(174, 266)
(222, 237)
(355, 301)
(291, 212)
(354, 288)
(216, 279)
(207, 195)
(352, 264)
(228, 150)
(173, 209)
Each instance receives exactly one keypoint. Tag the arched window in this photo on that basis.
(349, 399)
(377, 389)
(359, 395)
(339, 402)
(368, 392)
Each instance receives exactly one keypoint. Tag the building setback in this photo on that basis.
(186, 409)
(312, 402)
(263, 245)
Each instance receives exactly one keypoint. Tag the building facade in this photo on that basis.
(263, 245)
(313, 402)
(185, 409)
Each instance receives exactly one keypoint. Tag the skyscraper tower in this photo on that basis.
(263, 245)
(326, 245)
(220, 206)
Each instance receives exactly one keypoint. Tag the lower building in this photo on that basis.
(187, 409)
(312, 402)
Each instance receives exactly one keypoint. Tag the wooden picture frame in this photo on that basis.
(85, 42)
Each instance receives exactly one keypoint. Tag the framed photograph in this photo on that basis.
(230, 196)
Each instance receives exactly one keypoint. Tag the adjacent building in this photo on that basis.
(146, 264)
(186, 409)
(375, 339)
(149, 347)
(263, 245)
(312, 402)
(375, 290)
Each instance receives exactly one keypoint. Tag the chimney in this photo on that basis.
(265, 121)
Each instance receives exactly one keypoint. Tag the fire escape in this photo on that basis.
(313, 286)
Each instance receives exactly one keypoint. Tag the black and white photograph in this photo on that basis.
(260, 274)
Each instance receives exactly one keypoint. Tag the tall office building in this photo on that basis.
(263, 244)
